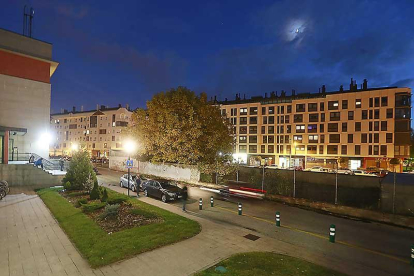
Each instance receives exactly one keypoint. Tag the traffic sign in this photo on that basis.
(129, 164)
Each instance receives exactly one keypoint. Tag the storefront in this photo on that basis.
(11, 139)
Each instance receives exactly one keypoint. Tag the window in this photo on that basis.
(350, 138)
(272, 110)
(322, 138)
(364, 138)
(358, 103)
(370, 138)
(252, 149)
(300, 129)
(263, 110)
(390, 113)
(312, 149)
(264, 139)
(322, 106)
(312, 107)
(376, 114)
(364, 115)
(376, 137)
(272, 119)
(402, 126)
(270, 149)
(270, 129)
(243, 130)
(234, 112)
(288, 129)
(376, 126)
(371, 102)
(263, 149)
(321, 149)
(243, 111)
(335, 116)
(334, 138)
(263, 130)
(300, 107)
(344, 149)
(321, 128)
(383, 149)
(297, 138)
(312, 128)
(271, 139)
(357, 126)
(242, 148)
(402, 113)
(377, 102)
(253, 110)
(242, 139)
(282, 109)
(332, 149)
(289, 109)
(376, 150)
(223, 112)
(253, 120)
(322, 117)
(383, 125)
(313, 138)
(350, 115)
(298, 118)
(332, 127)
(357, 150)
(344, 127)
(333, 105)
(314, 117)
(252, 129)
(384, 102)
(344, 104)
(253, 139)
(389, 137)
(370, 126)
(287, 119)
(264, 120)
(243, 120)
(102, 131)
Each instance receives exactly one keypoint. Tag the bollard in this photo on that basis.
(278, 219)
(212, 201)
(200, 204)
(412, 255)
(240, 208)
(332, 233)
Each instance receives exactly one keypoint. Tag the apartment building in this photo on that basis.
(97, 131)
(367, 127)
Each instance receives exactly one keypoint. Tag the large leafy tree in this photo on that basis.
(180, 127)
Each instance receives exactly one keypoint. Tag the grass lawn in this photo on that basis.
(100, 248)
(266, 263)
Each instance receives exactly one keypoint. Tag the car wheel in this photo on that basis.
(146, 193)
(164, 198)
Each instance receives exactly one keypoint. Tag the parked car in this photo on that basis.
(273, 166)
(363, 173)
(166, 190)
(134, 182)
(315, 169)
(344, 171)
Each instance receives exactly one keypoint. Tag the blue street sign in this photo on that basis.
(129, 164)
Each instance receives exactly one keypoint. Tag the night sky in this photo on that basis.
(114, 52)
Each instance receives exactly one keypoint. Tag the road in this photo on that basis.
(381, 248)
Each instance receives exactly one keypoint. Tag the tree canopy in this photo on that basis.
(180, 127)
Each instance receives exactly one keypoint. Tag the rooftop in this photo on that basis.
(102, 108)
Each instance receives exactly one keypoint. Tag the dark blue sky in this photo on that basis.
(114, 52)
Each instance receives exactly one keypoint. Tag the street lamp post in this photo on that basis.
(220, 154)
(129, 147)
(336, 181)
(294, 174)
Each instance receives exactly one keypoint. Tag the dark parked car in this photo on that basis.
(166, 190)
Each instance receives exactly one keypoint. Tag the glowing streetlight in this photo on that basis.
(74, 147)
(45, 140)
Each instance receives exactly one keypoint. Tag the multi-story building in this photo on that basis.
(97, 131)
(367, 127)
(26, 67)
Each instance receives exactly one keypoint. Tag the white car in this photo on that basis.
(345, 171)
(273, 166)
(363, 173)
(316, 169)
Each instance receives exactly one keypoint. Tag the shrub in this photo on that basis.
(110, 211)
(104, 195)
(93, 206)
(80, 169)
(116, 199)
(95, 191)
(208, 178)
(81, 202)
(101, 190)
(67, 185)
(88, 185)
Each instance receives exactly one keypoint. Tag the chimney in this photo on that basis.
(61, 110)
(351, 86)
(97, 106)
(215, 99)
(293, 92)
(276, 93)
(127, 106)
(119, 105)
(323, 89)
(341, 88)
(74, 109)
(265, 95)
(225, 99)
(365, 86)
(244, 96)
(82, 108)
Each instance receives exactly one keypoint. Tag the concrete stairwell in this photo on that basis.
(28, 176)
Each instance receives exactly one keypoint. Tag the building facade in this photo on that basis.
(365, 127)
(26, 67)
(97, 131)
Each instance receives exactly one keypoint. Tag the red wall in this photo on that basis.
(24, 67)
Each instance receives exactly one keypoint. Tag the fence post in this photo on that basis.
(332, 233)
(212, 201)
(278, 219)
(240, 208)
(200, 204)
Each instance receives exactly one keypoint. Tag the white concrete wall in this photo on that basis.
(25, 104)
(177, 172)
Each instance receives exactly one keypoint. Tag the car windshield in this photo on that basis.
(166, 184)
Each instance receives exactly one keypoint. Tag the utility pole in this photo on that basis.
(336, 182)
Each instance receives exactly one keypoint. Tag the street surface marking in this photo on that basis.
(320, 236)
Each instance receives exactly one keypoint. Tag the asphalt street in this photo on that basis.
(381, 248)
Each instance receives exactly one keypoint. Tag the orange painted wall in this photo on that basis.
(24, 67)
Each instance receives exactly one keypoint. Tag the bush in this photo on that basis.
(207, 178)
(80, 169)
(117, 199)
(67, 185)
(81, 202)
(95, 191)
(93, 206)
(110, 211)
(104, 195)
